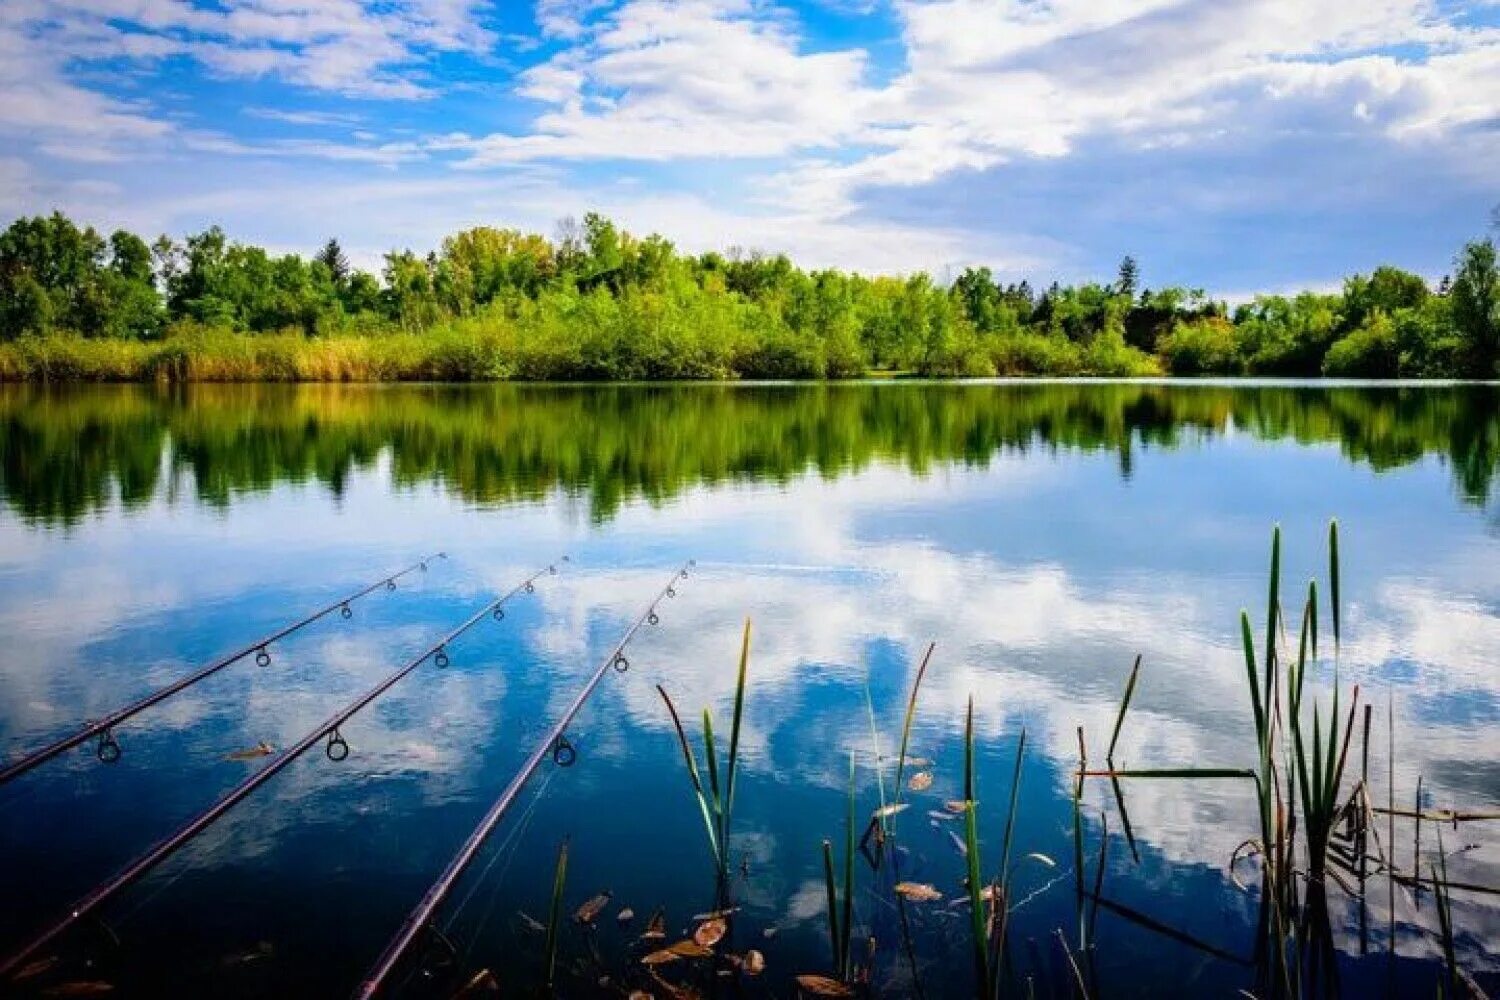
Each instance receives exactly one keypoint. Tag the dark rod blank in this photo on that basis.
(203, 820)
(113, 719)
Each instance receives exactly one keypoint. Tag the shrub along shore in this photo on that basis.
(595, 303)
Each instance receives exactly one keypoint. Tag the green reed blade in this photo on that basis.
(971, 842)
(734, 726)
(692, 769)
(911, 713)
(1333, 579)
(846, 925)
(833, 911)
(554, 917)
(1010, 816)
(1248, 641)
(1124, 704)
(875, 749)
(1273, 604)
(1312, 608)
(1205, 773)
(711, 752)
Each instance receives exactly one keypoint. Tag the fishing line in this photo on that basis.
(421, 917)
(329, 728)
(108, 749)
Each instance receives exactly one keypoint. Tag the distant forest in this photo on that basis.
(595, 302)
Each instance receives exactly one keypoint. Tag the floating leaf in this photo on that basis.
(886, 812)
(262, 950)
(715, 914)
(918, 892)
(261, 749)
(483, 984)
(589, 911)
(920, 782)
(36, 968)
(83, 988)
(822, 986)
(671, 953)
(962, 848)
(656, 928)
(710, 932)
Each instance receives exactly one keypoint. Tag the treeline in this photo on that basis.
(598, 303)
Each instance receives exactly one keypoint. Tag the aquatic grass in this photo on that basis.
(554, 918)
(971, 843)
(716, 802)
(841, 915)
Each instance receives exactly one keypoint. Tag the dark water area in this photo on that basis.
(1042, 534)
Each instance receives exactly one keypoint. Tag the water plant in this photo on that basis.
(716, 799)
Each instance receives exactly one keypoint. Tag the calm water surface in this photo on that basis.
(1041, 534)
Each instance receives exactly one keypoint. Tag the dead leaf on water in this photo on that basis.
(918, 892)
(671, 953)
(261, 749)
(710, 932)
(483, 984)
(920, 782)
(716, 914)
(91, 988)
(589, 911)
(261, 950)
(36, 968)
(822, 986)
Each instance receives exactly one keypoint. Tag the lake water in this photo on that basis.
(1041, 534)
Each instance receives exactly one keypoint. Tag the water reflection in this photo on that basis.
(68, 453)
(854, 524)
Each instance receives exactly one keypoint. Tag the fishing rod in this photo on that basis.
(555, 743)
(108, 751)
(336, 749)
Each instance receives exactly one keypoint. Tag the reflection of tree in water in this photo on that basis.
(67, 453)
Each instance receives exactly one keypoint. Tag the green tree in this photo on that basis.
(1475, 295)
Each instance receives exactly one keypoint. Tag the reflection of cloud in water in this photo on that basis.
(1044, 643)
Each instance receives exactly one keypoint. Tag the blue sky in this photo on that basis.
(1234, 145)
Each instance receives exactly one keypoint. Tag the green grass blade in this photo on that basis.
(833, 910)
(1333, 579)
(734, 726)
(1248, 641)
(554, 917)
(911, 713)
(1124, 704)
(846, 923)
(971, 843)
(697, 782)
(1010, 817)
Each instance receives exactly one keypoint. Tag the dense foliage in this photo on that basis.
(598, 303)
